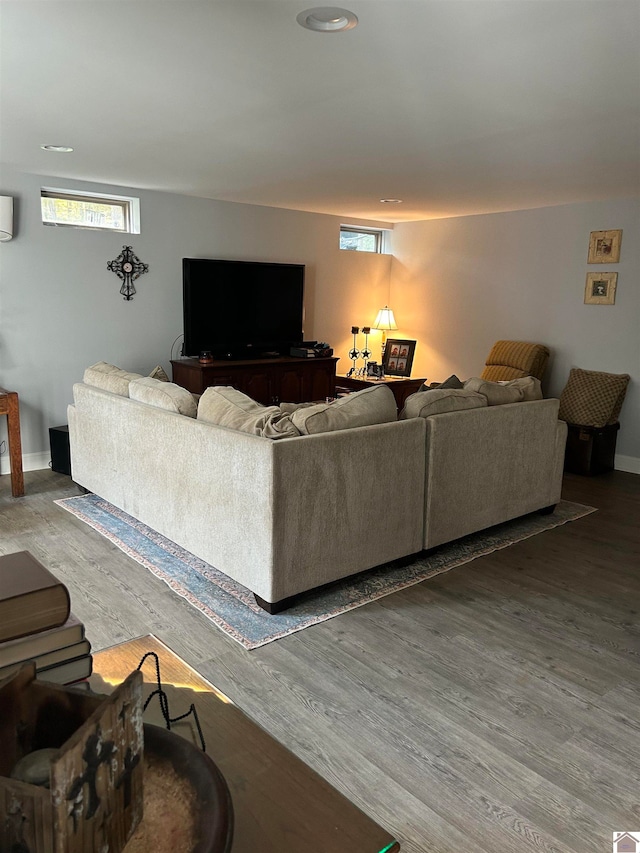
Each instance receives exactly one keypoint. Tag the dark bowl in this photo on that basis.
(212, 815)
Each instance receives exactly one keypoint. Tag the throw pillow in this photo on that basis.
(110, 378)
(159, 372)
(531, 387)
(451, 382)
(437, 401)
(163, 395)
(593, 398)
(373, 405)
(496, 394)
(228, 407)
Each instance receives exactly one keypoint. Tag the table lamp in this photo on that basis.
(385, 322)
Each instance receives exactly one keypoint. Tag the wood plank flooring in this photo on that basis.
(493, 709)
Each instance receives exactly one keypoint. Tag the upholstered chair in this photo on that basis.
(514, 359)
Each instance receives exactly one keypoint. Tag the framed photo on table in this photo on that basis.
(398, 357)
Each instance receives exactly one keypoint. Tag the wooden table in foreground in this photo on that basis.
(280, 804)
(10, 407)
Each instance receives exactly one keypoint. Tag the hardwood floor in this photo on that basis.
(493, 709)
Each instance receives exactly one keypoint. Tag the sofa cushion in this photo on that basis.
(531, 387)
(108, 377)
(290, 408)
(496, 394)
(437, 401)
(373, 405)
(163, 395)
(228, 407)
(593, 398)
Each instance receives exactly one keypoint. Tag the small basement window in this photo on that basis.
(90, 210)
(356, 239)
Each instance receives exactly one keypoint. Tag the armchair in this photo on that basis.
(514, 359)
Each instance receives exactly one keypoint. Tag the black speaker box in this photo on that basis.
(60, 453)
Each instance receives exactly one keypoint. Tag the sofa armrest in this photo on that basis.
(346, 501)
(486, 466)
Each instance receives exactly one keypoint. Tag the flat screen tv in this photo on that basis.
(241, 309)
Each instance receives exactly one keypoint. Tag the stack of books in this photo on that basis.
(36, 623)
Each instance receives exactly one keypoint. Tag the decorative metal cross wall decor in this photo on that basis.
(128, 267)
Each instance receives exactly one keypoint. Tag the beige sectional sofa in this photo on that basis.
(326, 499)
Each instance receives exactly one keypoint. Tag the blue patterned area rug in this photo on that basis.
(232, 607)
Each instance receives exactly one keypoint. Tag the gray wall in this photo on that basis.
(60, 308)
(456, 285)
(460, 284)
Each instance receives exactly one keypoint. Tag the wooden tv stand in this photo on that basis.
(266, 380)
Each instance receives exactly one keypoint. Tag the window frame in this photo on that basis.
(129, 205)
(378, 233)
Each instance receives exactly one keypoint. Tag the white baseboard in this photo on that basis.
(30, 462)
(627, 463)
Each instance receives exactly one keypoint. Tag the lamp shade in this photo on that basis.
(385, 319)
(6, 217)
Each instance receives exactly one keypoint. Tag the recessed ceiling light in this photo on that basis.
(327, 19)
(391, 201)
(61, 149)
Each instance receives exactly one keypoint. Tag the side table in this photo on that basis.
(9, 406)
(401, 386)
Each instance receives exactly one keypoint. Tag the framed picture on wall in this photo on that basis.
(600, 288)
(604, 247)
(398, 357)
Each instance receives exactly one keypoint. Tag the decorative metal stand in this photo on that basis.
(369, 368)
(164, 702)
(354, 352)
(366, 352)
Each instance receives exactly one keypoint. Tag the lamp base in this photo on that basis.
(384, 347)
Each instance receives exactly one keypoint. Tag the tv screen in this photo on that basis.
(238, 309)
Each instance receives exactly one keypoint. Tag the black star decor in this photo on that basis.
(128, 267)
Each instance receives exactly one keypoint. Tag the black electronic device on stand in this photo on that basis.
(311, 349)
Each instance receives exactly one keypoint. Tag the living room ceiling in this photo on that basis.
(456, 107)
